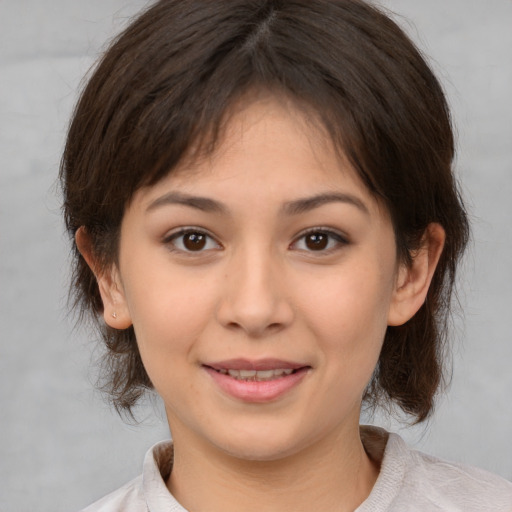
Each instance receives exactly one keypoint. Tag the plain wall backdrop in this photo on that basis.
(60, 446)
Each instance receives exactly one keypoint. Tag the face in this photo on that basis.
(260, 283)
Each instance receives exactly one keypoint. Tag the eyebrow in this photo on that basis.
(200, 203)
(295, 207)
(310, 203)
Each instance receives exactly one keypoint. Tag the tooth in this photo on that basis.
(282, 371)
(246, 374)
(254, 375)
(265, 374)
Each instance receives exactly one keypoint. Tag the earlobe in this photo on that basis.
(413, 281)
(115, 310)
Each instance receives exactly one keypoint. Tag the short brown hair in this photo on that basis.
(170, 78)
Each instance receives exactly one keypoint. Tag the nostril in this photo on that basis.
(253, 313)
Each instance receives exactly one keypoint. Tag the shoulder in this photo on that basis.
(454, 486)
(146, 492)
(413, 481)
(128, 498)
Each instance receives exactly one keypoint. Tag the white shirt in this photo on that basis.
(409, 481)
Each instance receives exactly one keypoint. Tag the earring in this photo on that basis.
(114, 314)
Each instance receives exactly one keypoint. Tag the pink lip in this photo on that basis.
(258, 364)
(256, 391)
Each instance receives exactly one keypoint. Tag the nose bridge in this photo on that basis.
(254, 299)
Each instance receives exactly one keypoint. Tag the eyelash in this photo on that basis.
(338, 238)
(171, 239)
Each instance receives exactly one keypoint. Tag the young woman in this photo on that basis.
(267, 230)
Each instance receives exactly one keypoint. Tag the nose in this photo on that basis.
(255, 297)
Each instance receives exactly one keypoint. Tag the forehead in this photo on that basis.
(269, 150)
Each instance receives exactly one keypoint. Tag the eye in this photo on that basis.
(191, 240)
(319, 240)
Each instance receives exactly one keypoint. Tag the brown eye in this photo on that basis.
(191, 240)
(321, 241)
(316, 241)
(194, 241)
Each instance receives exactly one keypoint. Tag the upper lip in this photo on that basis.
(256, 364)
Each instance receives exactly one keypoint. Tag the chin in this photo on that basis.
(263, 445)
(261, 452)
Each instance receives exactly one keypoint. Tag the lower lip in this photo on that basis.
(257, 391)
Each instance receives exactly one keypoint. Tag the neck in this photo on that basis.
(334, 474)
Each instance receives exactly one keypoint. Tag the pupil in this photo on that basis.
(317, 241)
(194, 241)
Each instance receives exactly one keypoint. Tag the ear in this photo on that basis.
(413, 280)
(115, 310)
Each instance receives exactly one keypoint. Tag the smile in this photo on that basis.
(256, 381)
(255, 375)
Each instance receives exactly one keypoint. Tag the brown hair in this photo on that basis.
(167, 83)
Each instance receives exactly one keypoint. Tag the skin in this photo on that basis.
(258, 290)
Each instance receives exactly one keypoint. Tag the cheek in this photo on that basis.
(347, 313)
(169, 312)
(349, 326)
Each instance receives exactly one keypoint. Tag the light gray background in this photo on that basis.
(60, 446)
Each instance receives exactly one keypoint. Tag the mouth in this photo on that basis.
(256, 370)
(256, 381)
(256, 375)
